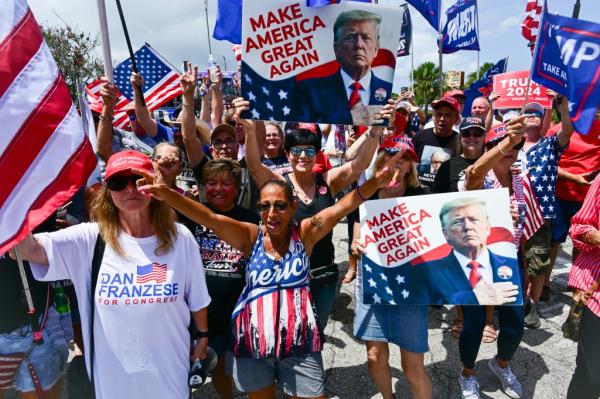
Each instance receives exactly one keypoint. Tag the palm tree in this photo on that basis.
(472, 77)
(426, 81)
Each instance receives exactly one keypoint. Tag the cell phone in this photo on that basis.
(403, 89)
(230, 90)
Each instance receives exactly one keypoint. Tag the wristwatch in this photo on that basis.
(199, 334)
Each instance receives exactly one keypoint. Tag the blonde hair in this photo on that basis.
(106, 214)
(411, 178)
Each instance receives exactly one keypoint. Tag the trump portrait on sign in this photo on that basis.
(348, 95)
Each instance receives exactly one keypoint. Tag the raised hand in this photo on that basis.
(152, 184)
(240, 105)
(188, 81)
(515, 128)
(136, 79)
(109, 93)
(389, 174)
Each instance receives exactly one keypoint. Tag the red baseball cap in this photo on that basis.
(309, 126)
(396, 144)
(447, 100)
(124, 161)
(496, 133)
(454, 93)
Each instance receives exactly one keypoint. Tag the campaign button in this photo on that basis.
(380, 94)
(505, 272)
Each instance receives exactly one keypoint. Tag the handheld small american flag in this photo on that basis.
(531, 23)
(531, 216)
(151, 272)
(161, 83)
(45, 155)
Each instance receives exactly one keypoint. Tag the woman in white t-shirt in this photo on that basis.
(150, 279)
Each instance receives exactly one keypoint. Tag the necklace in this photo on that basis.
(299, 191)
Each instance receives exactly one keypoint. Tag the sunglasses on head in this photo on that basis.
(279, 206)
(118, 183)
(472, 133)
(309, 151)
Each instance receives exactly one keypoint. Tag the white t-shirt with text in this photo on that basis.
(142, 307)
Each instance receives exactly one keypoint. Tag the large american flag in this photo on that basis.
(151, 272)
(45, 155)
(161, 83)
(531, 23)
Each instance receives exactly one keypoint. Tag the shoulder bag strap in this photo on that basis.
(96, 262)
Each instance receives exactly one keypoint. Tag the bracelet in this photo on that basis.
(359, 195)
(187, 105)
(200, 334)
(106, 118)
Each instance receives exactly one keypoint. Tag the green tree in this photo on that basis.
(75, 54)
(427, 84)
(472, 77)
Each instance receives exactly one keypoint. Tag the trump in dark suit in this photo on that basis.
(471, 274)
(346, 96)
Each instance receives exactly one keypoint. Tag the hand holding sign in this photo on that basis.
(495, 294)
(240, 105)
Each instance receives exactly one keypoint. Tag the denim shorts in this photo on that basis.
(297, 376)
(48, 359)
(403, 325)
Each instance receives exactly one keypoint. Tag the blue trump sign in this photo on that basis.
(460, 32)
(567, 60)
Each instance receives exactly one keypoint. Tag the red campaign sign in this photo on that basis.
(512, 87)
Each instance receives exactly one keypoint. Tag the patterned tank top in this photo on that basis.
(274, 316)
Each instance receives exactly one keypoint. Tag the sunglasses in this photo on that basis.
(533, 114)
(470, 133)
(309, 152)
(118, 183)
(279, 206)
(516, 148)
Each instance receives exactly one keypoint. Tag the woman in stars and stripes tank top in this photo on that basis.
(274, 322)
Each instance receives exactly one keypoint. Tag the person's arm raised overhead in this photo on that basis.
(260, 173)
(475, 173)
(217, 105)
(104, 135)
(193, 145)
(142, 113)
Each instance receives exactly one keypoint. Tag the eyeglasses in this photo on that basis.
(221, 143)
(118, 183)
(472, 133)
(308, 151)
(278, 206)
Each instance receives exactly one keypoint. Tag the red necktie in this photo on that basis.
(355, 95)
(474, 276)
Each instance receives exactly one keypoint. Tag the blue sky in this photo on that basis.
(177, 29)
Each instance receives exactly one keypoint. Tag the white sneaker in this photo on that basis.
(510, 385)
(469, 387)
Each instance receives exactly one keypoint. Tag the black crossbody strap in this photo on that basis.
(96, 262)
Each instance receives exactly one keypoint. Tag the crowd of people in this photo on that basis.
(241, 259)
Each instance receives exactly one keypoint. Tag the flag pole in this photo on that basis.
(537, 39)
(478, 51)
(31, 311)
(440, 47)
(207, 27)
(108, 70)
(131, 55)
(412, 66)
(576, 8)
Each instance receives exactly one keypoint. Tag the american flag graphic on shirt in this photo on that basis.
(152, 272)
(274, 316)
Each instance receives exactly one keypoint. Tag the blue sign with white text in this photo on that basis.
(460, 32)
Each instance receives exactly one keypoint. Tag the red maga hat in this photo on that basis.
(447, 100)
(396, 144)
(124, 161)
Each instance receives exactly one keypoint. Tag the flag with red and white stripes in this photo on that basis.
(161, 83)
(531, 23)
(532, 212)
(45, 155)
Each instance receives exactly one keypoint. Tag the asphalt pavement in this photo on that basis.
(543, 363)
